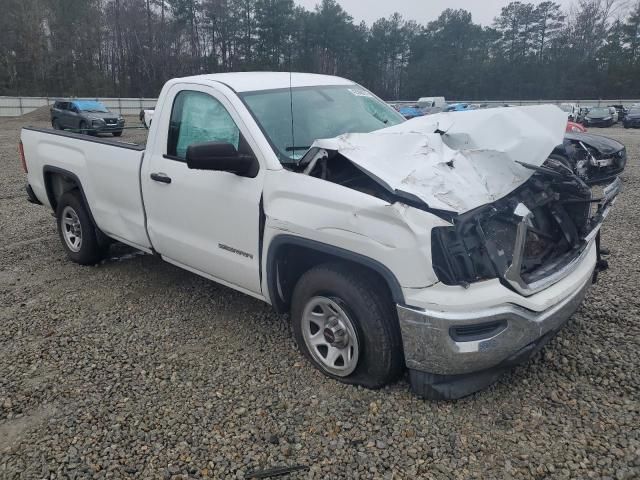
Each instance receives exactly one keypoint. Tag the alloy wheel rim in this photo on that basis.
(71, 229)
(330, 336)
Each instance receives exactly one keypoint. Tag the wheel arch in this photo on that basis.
(58, 181)
(289, 256)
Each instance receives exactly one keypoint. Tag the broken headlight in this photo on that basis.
(525, 236)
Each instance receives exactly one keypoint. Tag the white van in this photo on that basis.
(432, 102)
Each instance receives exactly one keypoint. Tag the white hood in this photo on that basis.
(473, 163)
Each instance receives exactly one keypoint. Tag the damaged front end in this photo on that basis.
(595, 159)
(518, 212)
(530, 239)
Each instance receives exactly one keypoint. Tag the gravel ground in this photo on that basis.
(137, 369)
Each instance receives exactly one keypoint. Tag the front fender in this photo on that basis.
(394, 235)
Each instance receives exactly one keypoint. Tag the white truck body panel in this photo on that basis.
(110, 176)
(394, 235)
(193, 220)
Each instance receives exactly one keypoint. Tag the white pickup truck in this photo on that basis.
(452, 245)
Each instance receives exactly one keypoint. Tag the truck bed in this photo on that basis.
(107, 169)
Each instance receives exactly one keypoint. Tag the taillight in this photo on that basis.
(22, 159)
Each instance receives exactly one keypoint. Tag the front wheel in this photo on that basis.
(117, 134)
(84, 128)
(77, 232)
(344, 322)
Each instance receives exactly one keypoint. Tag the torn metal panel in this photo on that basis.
(456, 161)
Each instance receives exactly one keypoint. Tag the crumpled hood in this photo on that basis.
(469, 165)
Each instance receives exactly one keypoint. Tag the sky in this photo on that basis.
(423, 11)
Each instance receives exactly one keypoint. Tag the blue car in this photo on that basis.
(411, 112)
(458, 107)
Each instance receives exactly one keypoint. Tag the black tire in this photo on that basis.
(83, 127)
(117, 134)
(91, 249)
(55, 123)
(370, 309)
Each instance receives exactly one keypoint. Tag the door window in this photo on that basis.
(196, 118)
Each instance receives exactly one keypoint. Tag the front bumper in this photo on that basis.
(598, 123)
(432, 343)
(443, 366)
(107, 128)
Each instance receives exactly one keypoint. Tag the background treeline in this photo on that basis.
(130, 47)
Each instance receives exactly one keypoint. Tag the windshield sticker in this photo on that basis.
(360, 93)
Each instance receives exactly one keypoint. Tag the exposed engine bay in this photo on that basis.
(335, 168)
(527, 238)
(594, 158)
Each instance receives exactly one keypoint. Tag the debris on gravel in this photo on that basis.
(137, 369)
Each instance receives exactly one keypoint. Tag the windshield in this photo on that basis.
(318, 112)
(566, 108)
(634, 111)
(599, 112)
(90, 106)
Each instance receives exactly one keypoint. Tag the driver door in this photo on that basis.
(205, 221)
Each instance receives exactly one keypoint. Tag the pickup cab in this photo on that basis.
(450, 246)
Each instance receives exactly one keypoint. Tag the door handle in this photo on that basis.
(160, 177)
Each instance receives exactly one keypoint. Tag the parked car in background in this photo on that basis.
(598, 117)
(146, 116)
(458, 107)
(432, 102)
(571, 110)
(86, 116)
(411, 111)
(582, 113)
(622, 111)
(632, 118)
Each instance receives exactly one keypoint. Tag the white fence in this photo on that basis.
(16, 106)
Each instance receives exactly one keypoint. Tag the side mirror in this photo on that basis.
(221, 156)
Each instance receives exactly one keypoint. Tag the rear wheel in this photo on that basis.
(77, 232)
(344, 322)
(55, 124)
